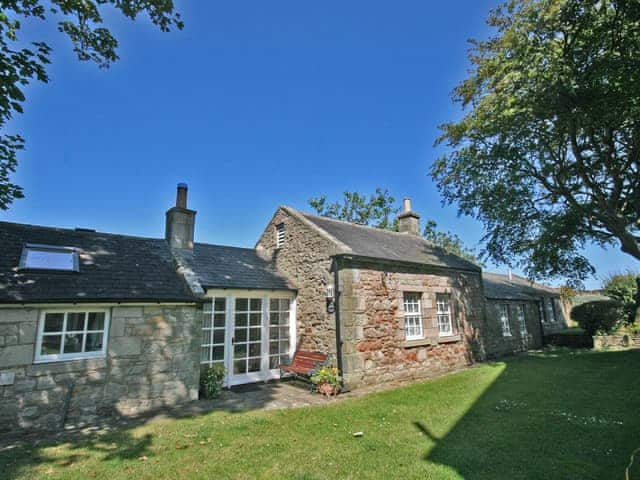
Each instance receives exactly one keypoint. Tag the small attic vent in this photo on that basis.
(280, 235)
(49, 257)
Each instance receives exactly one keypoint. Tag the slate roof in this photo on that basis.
(112, 268)
(383, 244)
(499, 287)
(217, 266)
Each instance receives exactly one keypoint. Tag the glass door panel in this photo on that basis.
(247, 336)
(279, 331)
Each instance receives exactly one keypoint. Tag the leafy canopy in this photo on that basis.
(21, 62)
(380, 211)
(623, 288)
(547, 154)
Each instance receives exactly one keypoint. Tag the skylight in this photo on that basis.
(49, 257)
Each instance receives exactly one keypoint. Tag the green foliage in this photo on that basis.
(82, 22)
(212, 380)
(622, 287)
(568, 294)
(546, 155)
(327, 374)
(377, 212)
(601, 316)
(448, 241)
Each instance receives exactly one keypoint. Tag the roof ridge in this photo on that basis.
(224, 246)
(301, 216)
(384, 230)
(83, 232)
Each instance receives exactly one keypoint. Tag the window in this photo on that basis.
(47, 257)
(280, 235)
(279, 333)
(504, 320)
(412, 317)
(551, 311)
(68, 335)
(522, 322)
(247, 336)
(443, 314)
(213, 328)
(543, 317)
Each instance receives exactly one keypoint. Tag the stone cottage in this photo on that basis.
(520, 313)
(94, 323)
(403, 307)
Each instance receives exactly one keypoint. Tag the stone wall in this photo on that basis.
(151, 361)
(374, 345)
(617, 340)
(496, 343)
(305, 258)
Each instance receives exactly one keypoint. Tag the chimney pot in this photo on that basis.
(408, 220)
(181, 197)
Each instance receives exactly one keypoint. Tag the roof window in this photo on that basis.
(49, 257)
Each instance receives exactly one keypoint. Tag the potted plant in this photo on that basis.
(212, 381)
(327, 380)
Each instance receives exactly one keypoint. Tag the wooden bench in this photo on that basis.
(304, 364)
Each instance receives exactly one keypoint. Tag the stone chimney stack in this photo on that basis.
(408, 220)
(181, 221)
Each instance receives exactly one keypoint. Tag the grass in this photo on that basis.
(559, 415)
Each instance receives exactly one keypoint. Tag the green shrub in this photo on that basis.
(212, 380)
(622, 287)
(600, 316)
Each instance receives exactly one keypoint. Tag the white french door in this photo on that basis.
(250, 333)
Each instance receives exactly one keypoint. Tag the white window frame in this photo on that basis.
(210, 311)
(551, 310)
(504, 319)
(541, 311)
(280, 235)
(522, 319)
(278, 326)
(61, 357)
(442, 313)
(412, 319)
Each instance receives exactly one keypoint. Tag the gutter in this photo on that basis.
(407, 263)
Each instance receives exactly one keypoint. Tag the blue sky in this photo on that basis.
(254, 104)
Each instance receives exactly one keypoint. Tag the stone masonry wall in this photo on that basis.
(374, 345)
(305, 258)
(152, 360)
(496, 343)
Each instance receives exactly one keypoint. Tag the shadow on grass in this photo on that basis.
(555, 415)
(546, 415)
(111, 438)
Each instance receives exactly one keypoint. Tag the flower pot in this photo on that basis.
(327, 389)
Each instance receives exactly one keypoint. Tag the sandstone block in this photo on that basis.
(14, 355)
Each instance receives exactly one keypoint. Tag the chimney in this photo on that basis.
(180, 221)
(408, 220)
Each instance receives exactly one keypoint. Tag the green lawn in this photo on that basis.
(562, 415)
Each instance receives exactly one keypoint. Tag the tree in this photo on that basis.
(450, 242)
(547, 153)
(82, 22)
(377, 212)
(622, 287)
